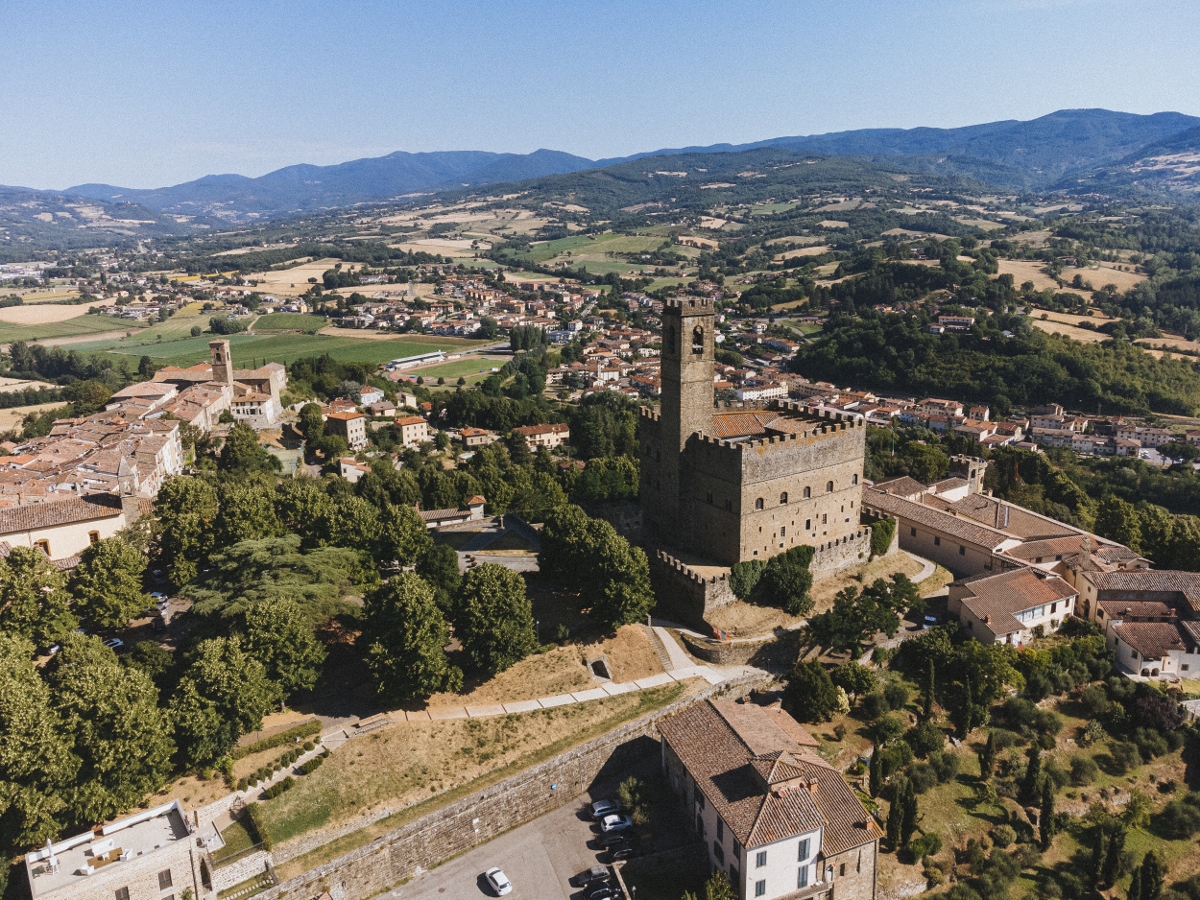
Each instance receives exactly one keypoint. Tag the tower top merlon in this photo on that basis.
(689, 305)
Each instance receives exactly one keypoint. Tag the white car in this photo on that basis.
(498, 880)
(114, 643)
(615, 823)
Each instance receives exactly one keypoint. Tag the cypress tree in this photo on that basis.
(987, 757)
(1153, 876)
(875, 772)
(895, 817)
(908, 822)
(968, 709)
(1046, 815)
(1100, 861)
(1033, 775)
(1112, 858)
(927, 709)
(1135, 885)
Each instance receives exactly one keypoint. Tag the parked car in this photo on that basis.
(602, 808)
(612, 839)
(615, 823)
(498, 880)
(114, 643)
(624, 851)
(592, 875)
(157, 595)
(604, 892)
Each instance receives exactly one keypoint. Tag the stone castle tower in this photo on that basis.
(741, 481)
(222, 362)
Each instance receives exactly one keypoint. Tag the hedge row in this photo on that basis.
(263, 773)
(313, 764)
(303, 730)
(279, 787)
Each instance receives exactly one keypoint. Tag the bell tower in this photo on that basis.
(222, 364)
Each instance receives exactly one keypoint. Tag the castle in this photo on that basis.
(743, 481)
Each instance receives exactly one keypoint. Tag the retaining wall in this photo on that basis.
(454, 829)
(834, 556)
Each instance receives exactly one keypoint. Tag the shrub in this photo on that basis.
(895, 757)
(744, 577)
(882, 533)
(1003, 835)
(925, 845)
(945, 764)
(313, 764)
(1124, 756)
(896, 695)
(279, 787)
(925, 739)
(1094, 701)
(1150, 744)
(1091, 733)
(888, 728)
(308, 745)
(922, 777)
(874, 705)
(1084, 770)
(1180, 818)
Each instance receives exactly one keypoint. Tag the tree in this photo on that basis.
(438, 565)
(1031, 783)
(224, 693)
(1153, 876)
(279, 635)
(34, 602)
(716, 888)
(810, 695)
(987, 757)
(405, 636)
(1135, 885)
(634, 800)
(403, 537)
(909, 813)
(786, 581)
(113, 725)
(242, 454)
(108, 580)
(1046, 824)
(494, 619)
(37, 767)
(875, 772)
(895, 816)
(927, 693)
(854, 678)
(246, 511)
(186, 509)
(1118, 520)
(310, 422)
(744, 576)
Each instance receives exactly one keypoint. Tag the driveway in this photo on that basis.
(541, 858)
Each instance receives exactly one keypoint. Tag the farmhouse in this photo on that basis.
(548, 436)
(774, 816)
(351, 426)
(414, 431)
(1011, 607)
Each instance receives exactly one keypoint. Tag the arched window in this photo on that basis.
(808, 493)
(783, 499)
(758, 504)
(697, 340)
(829, 487)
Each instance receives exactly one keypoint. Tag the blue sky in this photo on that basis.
(144, 93)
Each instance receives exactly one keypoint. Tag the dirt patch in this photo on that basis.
(630, 654)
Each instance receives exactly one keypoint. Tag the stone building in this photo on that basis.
(745, 481)
(773, 815)
(153, 855)
(251, 395)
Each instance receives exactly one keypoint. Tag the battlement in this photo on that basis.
(701, 305)
(646, 412)
(669, 561)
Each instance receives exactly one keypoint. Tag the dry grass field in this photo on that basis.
(10, 419)
(45, 313)
(1068, 324)
(1100, 274)
(804, 251)
(1169, 344)
(8, 385)
(1023, 270)
(294, 281)
(445, 246)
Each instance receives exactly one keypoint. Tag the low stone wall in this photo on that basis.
(724, 653)
(834, 556)
(451, 830)
(242, 869)
(684, 595)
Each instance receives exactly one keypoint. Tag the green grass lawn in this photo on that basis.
(461, 367)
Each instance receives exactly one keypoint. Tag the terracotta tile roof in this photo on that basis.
(534, 430)
(1014, 520)
(1138, 609)
(345, 416)
(903, 486)
(1050, 548)
(960, 527)
(411, 420)
(1148, 581)
(1153, 640)
(996, 599)
(20, 519)
(763, 783)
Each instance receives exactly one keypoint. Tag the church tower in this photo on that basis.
(222, 364)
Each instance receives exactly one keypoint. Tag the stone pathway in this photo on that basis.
(679, 659)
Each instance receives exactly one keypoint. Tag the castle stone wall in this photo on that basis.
(684, 596)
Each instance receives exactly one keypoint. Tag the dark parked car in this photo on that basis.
(612, 839)
(604, 892)
(623, 851)
(592, 875)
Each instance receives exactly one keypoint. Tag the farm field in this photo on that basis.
(1023, 270)
(11, 418)
(73, 327)
(1100, 274)
(265, 348)
(294, 281)
(289, 322)
(1069, 325)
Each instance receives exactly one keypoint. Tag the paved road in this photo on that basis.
(540, 858)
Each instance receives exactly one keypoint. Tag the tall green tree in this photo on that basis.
(786, 581)
(875, 772)
(987, 757)
(494, 618)
(310, 422)
(895, 816)
(809, 695)
(1154, 876)
(927, 693)
(1031, 783)
(1119, 521)
(114, 726)
(909, 813)
(279, 635)
(34, 602)
(1046, 823)
(37, 767)
(242, 454)
(403, 537)
(108, 582)
(438, 565)
(246, 511)
(223, 694)
(405, 636)
(186, 509)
